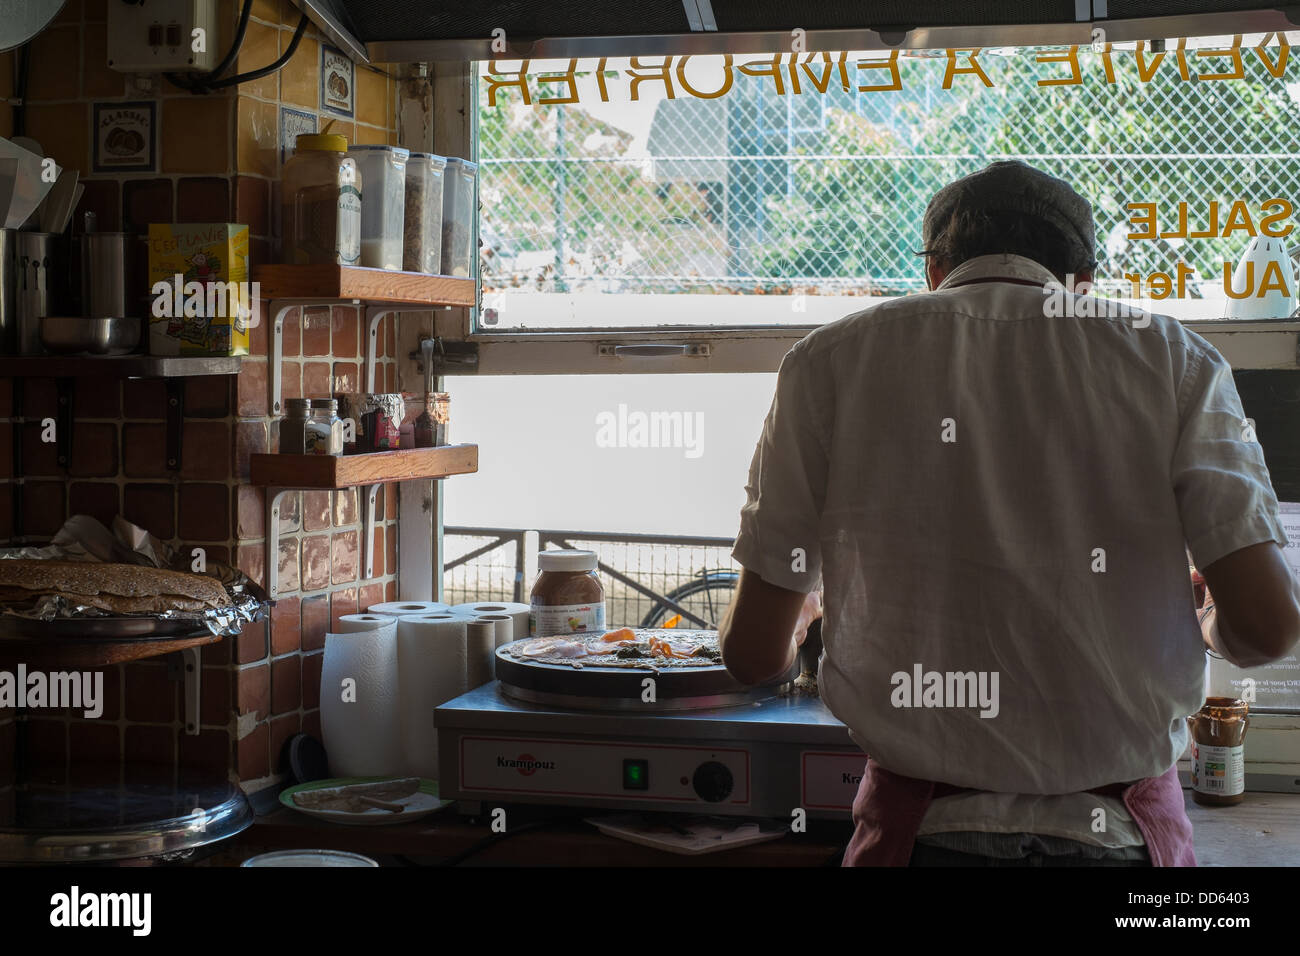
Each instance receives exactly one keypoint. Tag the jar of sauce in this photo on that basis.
(567, 597)
(1218, 751)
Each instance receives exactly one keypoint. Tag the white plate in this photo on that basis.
(417, 805)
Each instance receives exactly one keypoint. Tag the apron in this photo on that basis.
(889, 808)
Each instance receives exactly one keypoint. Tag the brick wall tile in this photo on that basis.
(251, 754)
(144, 450)
(205, 450)
(315, 621)
(286, 684)
(315, 562)
(344, 557)
(151, 696)
(207, 396)
(282, 728)
(204, 512)
(254, 690)
(252, 643)
(286, 625)
(343, 601)
(152, 506)
(99, 499)
(94, 450)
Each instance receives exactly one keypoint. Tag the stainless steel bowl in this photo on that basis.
(71, 334)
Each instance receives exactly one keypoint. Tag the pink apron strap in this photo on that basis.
(887, 814)
(1160, 812)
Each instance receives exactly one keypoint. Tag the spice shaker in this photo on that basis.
(293, 426)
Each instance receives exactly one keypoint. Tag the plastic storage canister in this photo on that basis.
(422, 222)
(320, 203)
(567, 597)
(383, 170)
(459, 207)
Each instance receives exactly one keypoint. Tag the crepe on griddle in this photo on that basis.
(115, 588)
(627, 648)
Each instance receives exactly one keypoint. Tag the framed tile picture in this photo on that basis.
(292, 124)
(124, 138)
(336, 81)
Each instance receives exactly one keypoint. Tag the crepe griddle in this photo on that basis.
(592, 687)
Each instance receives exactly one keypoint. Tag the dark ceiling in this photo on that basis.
(465, 27)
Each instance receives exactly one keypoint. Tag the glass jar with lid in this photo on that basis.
(320, 203)
(1218, 751)
(567, 597)
(324, 428)
(293, 426)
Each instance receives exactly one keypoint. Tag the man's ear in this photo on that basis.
(935, 273)
(1080, 278)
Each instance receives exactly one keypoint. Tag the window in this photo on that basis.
(795, 197)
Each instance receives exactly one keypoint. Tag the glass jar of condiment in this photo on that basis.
(431, 426)
(320, 192)
(324, 428)
(567, 597)
(293, 426)
(1218, 751)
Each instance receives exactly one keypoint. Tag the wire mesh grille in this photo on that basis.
(699, 578)
(823, 193)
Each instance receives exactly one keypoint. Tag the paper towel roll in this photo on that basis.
(504, 625)
(406, 608)
(359, 720)
(480, 642)
(431, 670)
(351, 623)
(518, 612)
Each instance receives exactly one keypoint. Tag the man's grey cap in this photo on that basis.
(1019, 187)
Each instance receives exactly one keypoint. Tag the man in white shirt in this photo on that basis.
(999, 499)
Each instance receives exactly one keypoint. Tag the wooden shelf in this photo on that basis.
(369, 285)
(309, 472)
(45, 651)
(123, 366)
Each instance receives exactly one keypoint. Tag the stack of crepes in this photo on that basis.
(113, 588)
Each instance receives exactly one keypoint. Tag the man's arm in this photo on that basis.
(764, 625)
(1256, 616)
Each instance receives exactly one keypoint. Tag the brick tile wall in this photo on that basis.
(218, 161)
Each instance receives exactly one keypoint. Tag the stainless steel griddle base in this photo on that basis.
(637, 705)
(764, 757)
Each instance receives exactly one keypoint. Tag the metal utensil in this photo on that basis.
(56, 207)
(71, 334)
(30, 186)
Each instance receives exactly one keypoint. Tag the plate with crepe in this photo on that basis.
(365, 801)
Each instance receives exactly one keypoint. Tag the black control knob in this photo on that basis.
(713, 781)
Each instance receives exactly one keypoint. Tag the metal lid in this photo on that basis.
(95, 822)
(297, 404)
(566, 560)
(456, 160)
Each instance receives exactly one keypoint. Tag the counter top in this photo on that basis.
(1262, 831)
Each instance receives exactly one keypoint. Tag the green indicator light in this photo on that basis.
(636, 775)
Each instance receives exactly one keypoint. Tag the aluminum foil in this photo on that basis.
(82, 538)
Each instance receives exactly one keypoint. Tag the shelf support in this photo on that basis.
(368, 531)
(63, 422)
(189, 665)
(374, 315)
(175, 422)
(274, 499)
(279, 308)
